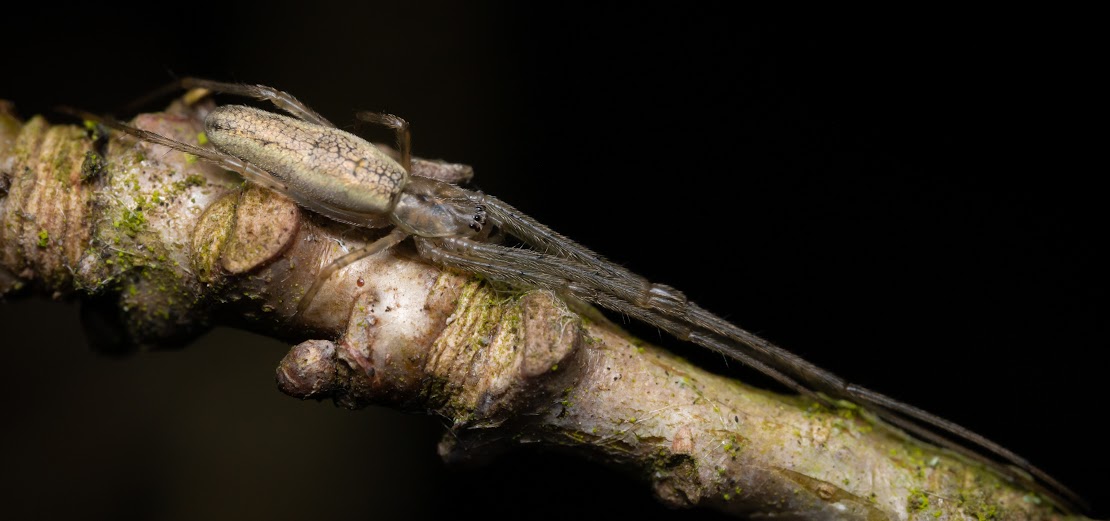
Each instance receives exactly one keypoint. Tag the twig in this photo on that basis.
(183, 247)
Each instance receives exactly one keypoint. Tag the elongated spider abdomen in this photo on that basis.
(326, 164)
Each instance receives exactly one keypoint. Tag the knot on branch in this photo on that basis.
(308, 370)
(499, 355)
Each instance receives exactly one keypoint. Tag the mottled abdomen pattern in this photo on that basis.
(325, 164)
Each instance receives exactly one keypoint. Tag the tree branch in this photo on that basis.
(178, 246)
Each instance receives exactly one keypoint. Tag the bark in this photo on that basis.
(176, 246)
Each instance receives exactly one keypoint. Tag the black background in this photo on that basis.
(909, 200)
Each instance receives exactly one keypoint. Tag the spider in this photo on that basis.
(343, 177)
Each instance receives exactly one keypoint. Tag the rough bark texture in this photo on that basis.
(179, 246)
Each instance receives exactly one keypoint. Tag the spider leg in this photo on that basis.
(281, 99)
(881, 402)
(220, 159)
(538, 235)
(438, 169)
(1055, 492)
(372, 248)
(400, 126)
(602, 282)
(436, 251)
(636, 289)
(600, 286)
(639, 290)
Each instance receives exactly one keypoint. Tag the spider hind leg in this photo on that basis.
(280, 99)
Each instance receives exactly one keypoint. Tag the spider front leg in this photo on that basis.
(575, 269)
(555, 252)
(556, 274)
